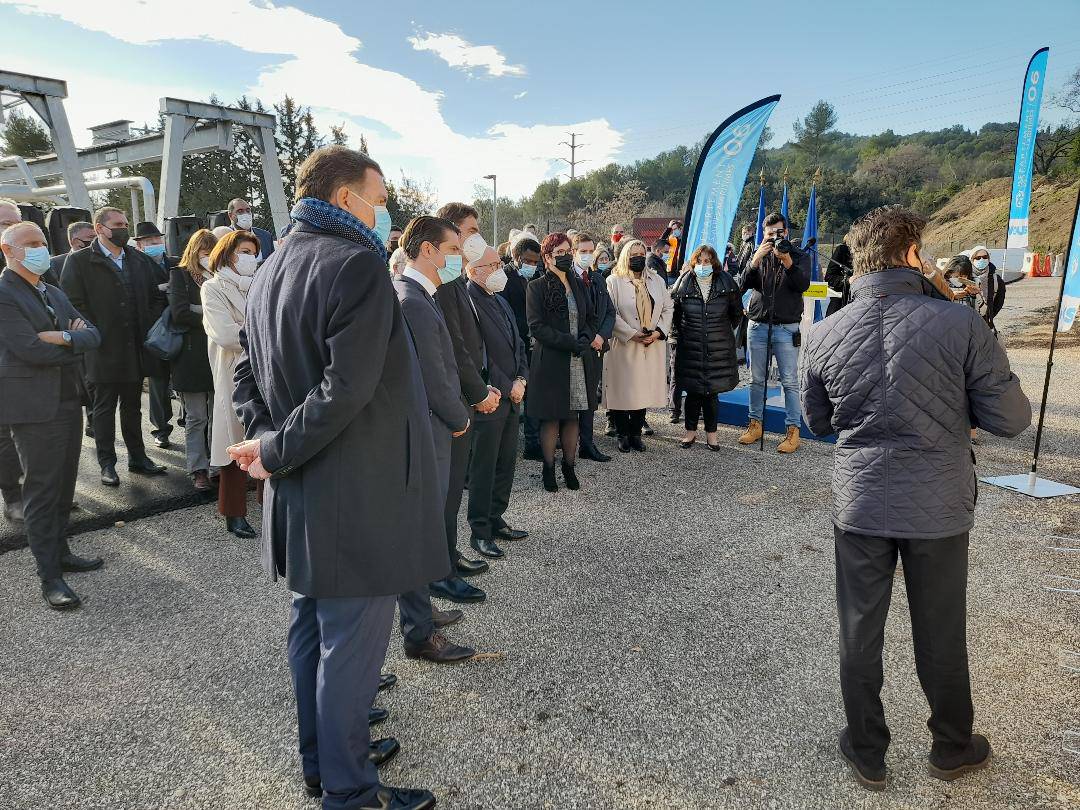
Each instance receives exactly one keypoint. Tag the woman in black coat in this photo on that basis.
(708, 306)
(564, 371)
(191, 375)
(838, 277)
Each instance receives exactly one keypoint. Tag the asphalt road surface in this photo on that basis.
(666, 638)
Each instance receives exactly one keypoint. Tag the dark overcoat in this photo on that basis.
(191, 371)
(330, 384)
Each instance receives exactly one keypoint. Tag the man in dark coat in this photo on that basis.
(112, 284)
(596, 287)
(10, 468)
(79, 236)
(242, 218)
(427, 242)
(902, 376)
(328, 381)
(525, 262)
(494, 456)
(151, 242)
(471, 357)
(41, 340)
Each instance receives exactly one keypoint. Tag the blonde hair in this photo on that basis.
(201, 240)
(622, 266)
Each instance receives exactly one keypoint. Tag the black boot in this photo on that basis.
(624, 444)
(240, 527)
(570, 476)
(550, 484)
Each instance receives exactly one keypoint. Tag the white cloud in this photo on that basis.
(458, 53)
(318, 67)
(522, 94)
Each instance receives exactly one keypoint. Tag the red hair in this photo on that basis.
(552, 241)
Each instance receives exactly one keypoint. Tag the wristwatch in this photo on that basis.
(66, 336)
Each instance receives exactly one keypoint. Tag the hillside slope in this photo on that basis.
(979, 213)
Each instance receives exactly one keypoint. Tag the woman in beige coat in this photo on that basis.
(635, 370)
(224, 300)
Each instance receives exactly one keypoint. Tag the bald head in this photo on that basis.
(16, 240)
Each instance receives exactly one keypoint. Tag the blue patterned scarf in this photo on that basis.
(331, 219)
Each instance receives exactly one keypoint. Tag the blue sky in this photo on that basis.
(449, 92)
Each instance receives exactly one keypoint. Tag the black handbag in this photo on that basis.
(165, 340)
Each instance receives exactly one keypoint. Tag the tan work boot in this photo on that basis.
(752, 432)
(791, 442)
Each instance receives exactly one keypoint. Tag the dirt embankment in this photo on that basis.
(978, 215)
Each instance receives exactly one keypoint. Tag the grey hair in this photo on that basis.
(8, 236)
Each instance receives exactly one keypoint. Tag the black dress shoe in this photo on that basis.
(144, 466)
(387, 680)
(445, 618)
(870, 778)
(532, 454)
(487, 547)
(624, 444)
(611, 432)
(470, 568)
(570, 476)
(163, 444)
(676, 417)
(376, 715)
(637, 444)
(382, 751)
(457, 590)
(392, 798)
(648, 431)
(14, 512)
(88, 432)
(58, 595)
(592, 453)
(240, 527)
(947, 768)
(77, 565)
(506, 533)
(438, 649)
(109, 477)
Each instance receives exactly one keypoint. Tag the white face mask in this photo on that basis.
(585, 260)
(204, 262)
(473, 248)
(496, 282)
(246, 264)
(244, 221)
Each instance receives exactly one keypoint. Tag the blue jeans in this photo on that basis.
(786, 355)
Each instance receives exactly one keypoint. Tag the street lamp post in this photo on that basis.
(494, 210)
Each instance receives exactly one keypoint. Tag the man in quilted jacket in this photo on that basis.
(901, 376)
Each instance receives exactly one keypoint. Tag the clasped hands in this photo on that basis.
(56, 336)
(491, 402)
(247, 458)
(646, 338)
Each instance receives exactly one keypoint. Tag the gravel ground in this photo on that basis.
(665, 638)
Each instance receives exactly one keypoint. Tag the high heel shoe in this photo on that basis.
(550, 484)
(570, 476)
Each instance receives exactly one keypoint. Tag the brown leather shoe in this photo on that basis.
(791, 442)
(200, 479)
(752, 433)
(445, 618)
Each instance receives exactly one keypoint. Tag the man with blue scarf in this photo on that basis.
(333, 402)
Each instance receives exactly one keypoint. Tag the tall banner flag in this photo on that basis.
(1070, 285)
(759, 233)
(1030, 102)
(784, 202)
(810, 235)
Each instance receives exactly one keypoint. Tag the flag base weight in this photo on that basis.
(1026, 484)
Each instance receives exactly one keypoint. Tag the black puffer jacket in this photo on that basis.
(704, 333)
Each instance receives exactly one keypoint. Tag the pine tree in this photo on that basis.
(338, 136)
(24, 136)
(363, 145)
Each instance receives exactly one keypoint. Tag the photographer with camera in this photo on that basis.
(778, 274)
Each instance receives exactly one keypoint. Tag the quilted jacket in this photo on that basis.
(901, 376)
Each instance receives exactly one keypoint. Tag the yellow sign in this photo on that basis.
(818, 290)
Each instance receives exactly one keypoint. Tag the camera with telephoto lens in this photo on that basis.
(780, 244)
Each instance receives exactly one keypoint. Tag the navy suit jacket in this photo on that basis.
(505, 348)
(30, 369)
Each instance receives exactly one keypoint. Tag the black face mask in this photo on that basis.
(563, 263)
(392, 246)
(119, 236)
(637, 264)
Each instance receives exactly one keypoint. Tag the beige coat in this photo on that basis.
(635, 376)
(223, 315)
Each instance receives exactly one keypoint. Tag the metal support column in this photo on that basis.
(176, 129)
(275, 189)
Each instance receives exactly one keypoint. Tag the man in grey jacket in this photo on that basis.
(902, 375)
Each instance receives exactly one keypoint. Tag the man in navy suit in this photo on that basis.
(430, 245)
(42, 340)
(328, 381)
(241, 218)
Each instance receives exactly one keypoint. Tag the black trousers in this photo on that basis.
(106, 397)
(460, 451)
(10, 468)
(49, 453)
(701, 405)
(161, 410)
(628, 423)
(935, 575)
(491, 472)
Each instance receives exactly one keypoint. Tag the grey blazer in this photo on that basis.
(437, 364)
(30, 369)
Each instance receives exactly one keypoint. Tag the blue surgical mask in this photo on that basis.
(36, 260)
(527, 270)
(603, 266)
(383, 223)
(703, 270)
(676, 232)
(981, 264)
(452, 270)
(154, 251)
